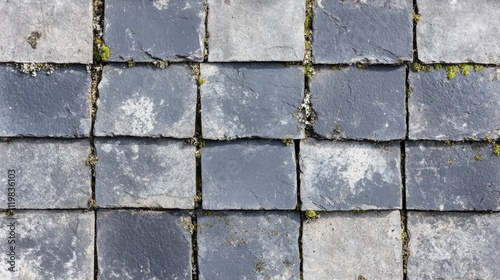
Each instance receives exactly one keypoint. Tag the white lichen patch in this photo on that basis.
(138, 115)
(161, 4)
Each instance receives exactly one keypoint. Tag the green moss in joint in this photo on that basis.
(478, 157)
(101, 51)
(417, 67)
(465, 69)
(416, 17)
(201, 81)
(478, 68)
(309, 71)
(131, 63)
(287, 141)
(311, 215)
(451, 71)
(438, 67)
(335, 67)
(496, 149)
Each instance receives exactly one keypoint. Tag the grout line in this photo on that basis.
(299, 205)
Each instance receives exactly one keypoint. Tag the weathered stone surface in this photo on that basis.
(248, 245)
(350, 245)
(249, 174)
(242, 30)
(146, 101)
(145, 173)
(47, 173)
(147, 30)
(454, 245)
(459, 31)
(48, 245)
(465, 107)
(349, 175)
(246, 100)
(375, 31)
(143, 245)
(55, 105)
(46, 31)
(458, 177)
(360, 104)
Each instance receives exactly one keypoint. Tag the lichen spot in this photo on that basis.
(160, 4)
(138, 115)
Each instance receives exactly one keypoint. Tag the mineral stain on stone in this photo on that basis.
(33, 38)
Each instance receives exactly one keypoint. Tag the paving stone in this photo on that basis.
(242, 30)
(48, 245)
(465, 107)
(55, 105)
(249, 174)
(143, 245)
(248, 245)
(458, 31)
(360, 104)
(45, 173)
(247, 100)
(459, 177)
(46, 31)
(144, 30)
(146, 101)
(353, 246)
(145, 173)
(375, 31)
(350, 175)
(454, 245)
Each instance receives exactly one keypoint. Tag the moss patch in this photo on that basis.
(465, 69)
(417, 67)
(417, 17)
(101, 51)
(311, 215)
(496, 149)
(287, 141)
(451, 71)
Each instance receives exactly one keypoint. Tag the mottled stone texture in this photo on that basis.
(49, 245)
(248, 245)
(143, 245)
(146, 30)
(145, 173)
(458, 177)
(459, 31)
(55, 105)
(269, 30)
(251, 100)
(359, 103)
(249, 174)
(46, 31)
(454, 245)
(353, 246)
(349, 175)
(466, 107)
(48, 173)
(146, 101)
(374, 31)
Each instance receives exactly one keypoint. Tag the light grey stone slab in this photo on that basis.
(47, 174)
(350, 175)
(145, 173)
(241, 30)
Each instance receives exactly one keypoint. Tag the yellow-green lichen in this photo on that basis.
(451, 71)
(438, 67)
(417, 67)
(311, 215)
(287, 141)
(131, 63)
(465, 69)
(478, 157)
(92, 203)
(496, 149)
(201, 81)
(197, 154)
(478, 68)
(416, 17)
(101, 51)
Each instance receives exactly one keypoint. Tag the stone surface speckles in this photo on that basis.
(146, 101)
(241, 30)
(251, 100)
(145, 173)
(375, 31)
(350, 246)
(356, 103)
(349, 175)
(143, 245)
(454, 245)
(466, 107)
(248, 245)
(147, 30)
(249, 174)
(49, 173)
(458, 177)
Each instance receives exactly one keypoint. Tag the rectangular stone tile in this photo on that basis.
(248, 174)
(54, 105)
(360, 103)
(454, 245)
(465, 107)
(143, 30)
(145, 173)
(45, 173)
(143, 245)
(248, 245)
(458, 31)
(350, 175)
(375, 31)
(242, 30)
(353, 246)
(46, 31)
(48, 245)
(146, 101)
(251, 100)
(458, 177)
